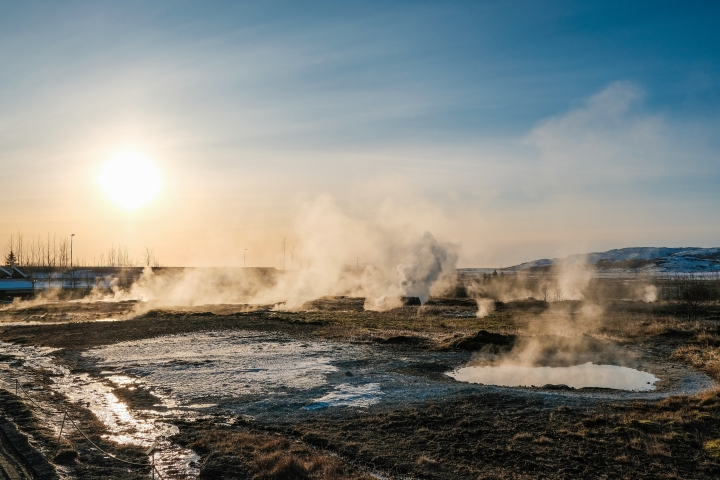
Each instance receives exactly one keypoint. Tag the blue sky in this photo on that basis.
(523, 129)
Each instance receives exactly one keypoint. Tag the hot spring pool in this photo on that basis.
(577, 376)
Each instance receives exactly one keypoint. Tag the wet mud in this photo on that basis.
(336, 392)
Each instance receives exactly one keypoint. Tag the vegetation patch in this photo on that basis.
(242, 453)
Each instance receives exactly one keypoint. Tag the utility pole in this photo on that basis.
(72, 273)
(244, 257)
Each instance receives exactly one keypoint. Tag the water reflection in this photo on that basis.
(141, 428)
(578, 376)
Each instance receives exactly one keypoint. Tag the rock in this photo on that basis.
(410, 301)
(66, 457)
(483, 338)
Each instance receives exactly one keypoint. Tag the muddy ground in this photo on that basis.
(478, 432)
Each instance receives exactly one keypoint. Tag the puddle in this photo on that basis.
(222, 365)
(578, 376)
(129, 428)
(270, 374)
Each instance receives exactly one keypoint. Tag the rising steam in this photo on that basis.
(397, 263)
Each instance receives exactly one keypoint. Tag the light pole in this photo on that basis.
(72, 274)
(244, 257)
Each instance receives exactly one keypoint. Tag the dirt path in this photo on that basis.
(11, 467)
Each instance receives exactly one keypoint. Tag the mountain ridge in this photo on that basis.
(646, 259)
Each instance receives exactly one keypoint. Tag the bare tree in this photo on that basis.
(111, 258)
(119, 257)
(148, 257)
(690, 292)
(284, 247)
(64, 252)
(48, 263)
(20, 249)
(55, 255)
(126, 261)
(32, 252)
(544, 292)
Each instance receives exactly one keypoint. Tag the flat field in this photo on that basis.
(335, 392)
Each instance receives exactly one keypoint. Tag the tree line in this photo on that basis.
(54, 251)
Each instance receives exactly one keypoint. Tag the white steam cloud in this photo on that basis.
(397, 262)
(485, 307)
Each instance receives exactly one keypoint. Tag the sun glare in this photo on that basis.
(130, 179)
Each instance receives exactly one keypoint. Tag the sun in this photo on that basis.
(130, 179)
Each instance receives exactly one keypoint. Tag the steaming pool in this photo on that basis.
(577, 376)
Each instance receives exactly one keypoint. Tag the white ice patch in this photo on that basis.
(578, 376)
(224, 364)
(349, 396)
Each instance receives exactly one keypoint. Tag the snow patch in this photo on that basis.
(349, 396)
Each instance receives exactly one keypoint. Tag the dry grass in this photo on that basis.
(654, 447)
(272, 457)
(523, 437)
(424, 461)
(619, 321)
(702, 356)
(543, 440)
(713, 447)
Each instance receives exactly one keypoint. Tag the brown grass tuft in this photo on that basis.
(543, 440)
(655, 448)
(427, 462)
(524, 436)
(713, 447)
(272, 457)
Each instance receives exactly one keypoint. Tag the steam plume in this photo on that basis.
(398, 263)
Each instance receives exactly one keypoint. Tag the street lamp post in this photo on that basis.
(72, 273)
(244, 257)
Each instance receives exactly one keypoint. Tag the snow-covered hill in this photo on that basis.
(646, 259)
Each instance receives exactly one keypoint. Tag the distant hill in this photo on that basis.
(637, 259)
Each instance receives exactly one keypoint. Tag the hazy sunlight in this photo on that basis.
(130, 179)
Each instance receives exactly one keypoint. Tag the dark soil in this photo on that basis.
(502, 433)
(497, 436)
(516, 436)
(83, 335)
(73, 451)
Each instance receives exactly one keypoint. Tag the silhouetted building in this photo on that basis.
(14, 283)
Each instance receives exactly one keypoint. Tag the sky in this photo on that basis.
(517, 130)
